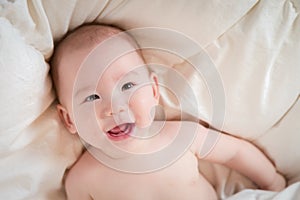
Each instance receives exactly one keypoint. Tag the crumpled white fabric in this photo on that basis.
(35, 149)
(291, 192)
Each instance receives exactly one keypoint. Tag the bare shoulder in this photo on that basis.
(84, 166)
(204, 141)
(190, 133)
(84, 173)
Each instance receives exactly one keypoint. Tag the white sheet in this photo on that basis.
(292, 192)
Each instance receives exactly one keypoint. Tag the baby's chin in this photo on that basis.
(108, 150)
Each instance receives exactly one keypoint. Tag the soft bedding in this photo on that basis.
(254, 46)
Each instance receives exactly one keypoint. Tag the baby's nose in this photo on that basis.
(111, 112)
(113, 109)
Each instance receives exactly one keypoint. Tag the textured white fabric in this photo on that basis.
(35, 149)
(291, 192)
(253, 44)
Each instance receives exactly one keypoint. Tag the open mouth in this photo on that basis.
(121, 131)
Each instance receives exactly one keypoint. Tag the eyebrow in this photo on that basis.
(117, 77)
(83, 89)
(122, 74)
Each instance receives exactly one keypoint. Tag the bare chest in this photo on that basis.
(181, 180)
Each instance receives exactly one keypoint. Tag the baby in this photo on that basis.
(109, 104)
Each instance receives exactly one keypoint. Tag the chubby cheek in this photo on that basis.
(142, 104)
(87, 125)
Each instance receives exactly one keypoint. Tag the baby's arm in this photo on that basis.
(244, 157)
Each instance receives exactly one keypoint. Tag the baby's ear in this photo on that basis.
(66, 119)
(155, 89)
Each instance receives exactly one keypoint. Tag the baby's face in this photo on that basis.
(109, 103)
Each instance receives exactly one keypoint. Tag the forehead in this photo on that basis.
(98, 56)
(112, 55)
(81, 60)
(123, 66)
(125, 63)
(127, 67)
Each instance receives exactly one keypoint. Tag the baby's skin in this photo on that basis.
(128, 78)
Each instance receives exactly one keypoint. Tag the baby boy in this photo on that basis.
(108, 97)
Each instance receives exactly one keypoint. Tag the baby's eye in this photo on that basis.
(92, 97)
(127, 86)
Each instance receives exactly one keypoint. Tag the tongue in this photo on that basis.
(118, 129)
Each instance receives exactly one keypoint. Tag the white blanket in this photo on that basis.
(291, 192)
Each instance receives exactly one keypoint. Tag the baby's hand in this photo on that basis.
(278, 183)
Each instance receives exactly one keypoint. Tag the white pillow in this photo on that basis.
(35, 149)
